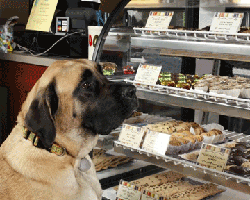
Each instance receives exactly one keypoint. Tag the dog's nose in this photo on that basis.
(128, 91)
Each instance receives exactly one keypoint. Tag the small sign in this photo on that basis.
(160, 20)
(41, 15)
(226, 22)
(62, 25)
(213, 157)
(155, 142)
(148, 74)
(126, 191)
(131, 135)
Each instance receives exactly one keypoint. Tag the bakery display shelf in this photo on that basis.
(229, 193)
(194, 35)
(188, 168)
(208, 102)
(110, 194)
(221, 49)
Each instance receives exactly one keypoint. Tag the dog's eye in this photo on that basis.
(87, 85)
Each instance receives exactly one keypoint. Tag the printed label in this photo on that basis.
(213, 157)
(226, 22)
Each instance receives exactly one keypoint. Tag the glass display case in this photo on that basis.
(183, 47)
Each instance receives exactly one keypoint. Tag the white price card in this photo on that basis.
(160, 20)
(226, 22)
(131, 135)
(213, 157)
(126, 191)
(148, 74)
(155, 142)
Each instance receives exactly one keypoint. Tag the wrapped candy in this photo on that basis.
(6, 35)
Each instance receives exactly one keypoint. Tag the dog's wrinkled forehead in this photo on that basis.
(73, 72)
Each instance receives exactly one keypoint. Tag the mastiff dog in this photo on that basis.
(46, 156)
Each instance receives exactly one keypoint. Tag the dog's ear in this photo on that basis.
(40, 116)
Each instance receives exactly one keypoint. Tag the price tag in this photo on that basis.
(213, 157)
(126, 191)
(155, 142)
(149, 196)
(160, 20)
(226, 22)
(131, 135)
(148, 74)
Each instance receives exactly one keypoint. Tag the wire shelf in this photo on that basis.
(185, 164)
(194, 94)
(193, 35)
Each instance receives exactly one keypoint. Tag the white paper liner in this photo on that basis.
(231, 93)
(213, 91)
(208, 139)
(201, 89)
(245, 93)
(215, 138)
(173, 150)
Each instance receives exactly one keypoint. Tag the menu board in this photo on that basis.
(213, 157)
(131, 135)
(155, 142)
(160, 20)
(126, 191)
(148, 74)
(226, 22)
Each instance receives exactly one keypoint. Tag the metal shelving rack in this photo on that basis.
(207, 102)
(191, 168)
(187, 168)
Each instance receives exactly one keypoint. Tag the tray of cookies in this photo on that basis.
(104, 161)
(170, 185)
(179, 136)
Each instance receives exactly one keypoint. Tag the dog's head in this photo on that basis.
(73, 101)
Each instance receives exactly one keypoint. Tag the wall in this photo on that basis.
(9, 8)
(18, 79)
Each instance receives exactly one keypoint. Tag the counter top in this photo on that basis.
(17, 56)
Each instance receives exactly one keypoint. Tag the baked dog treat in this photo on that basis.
(103, 161)
(158, 179)
(197, 192)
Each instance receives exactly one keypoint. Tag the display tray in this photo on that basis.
(194, 94)
(130, 171)
(175, 161)
(110, 193)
